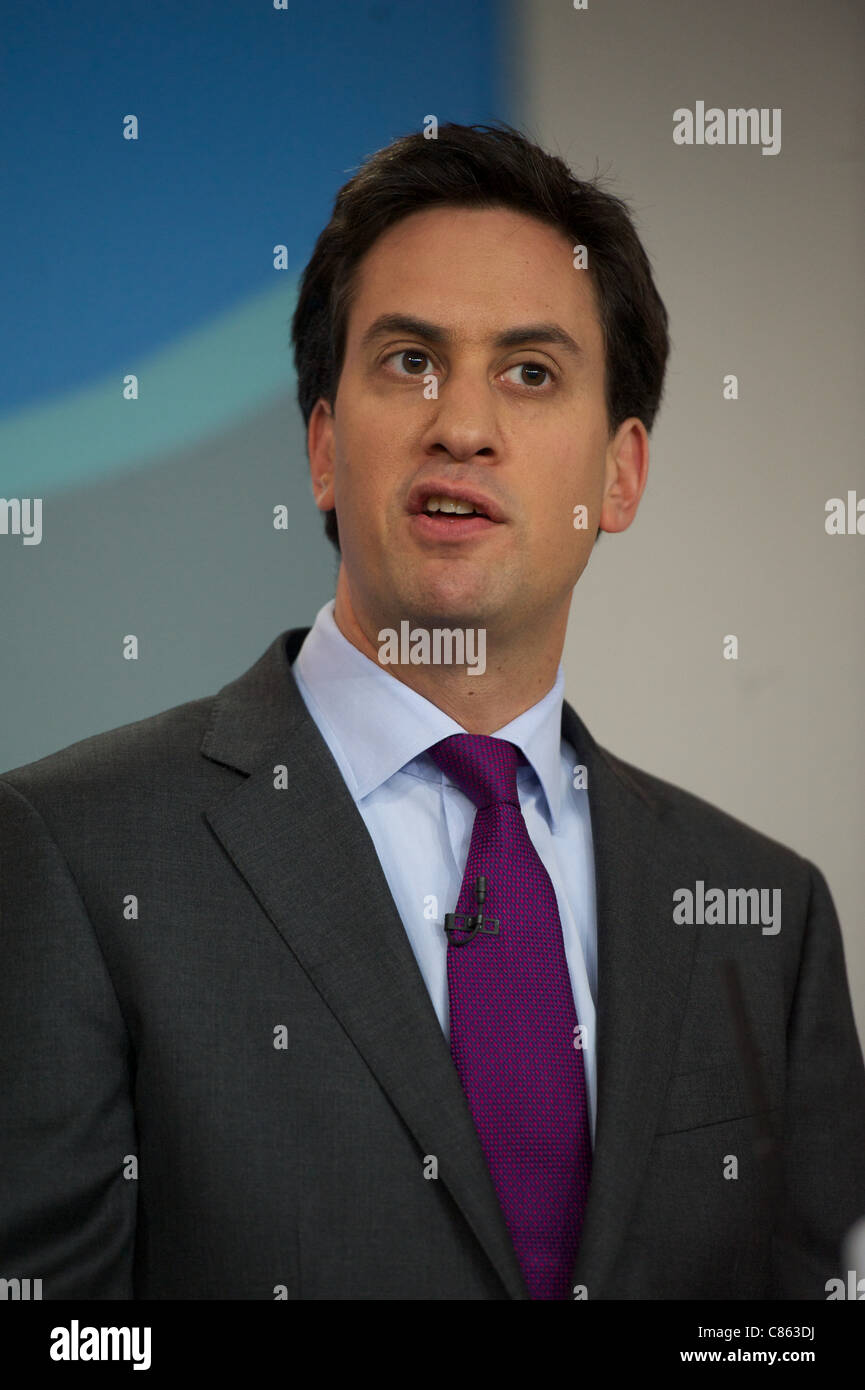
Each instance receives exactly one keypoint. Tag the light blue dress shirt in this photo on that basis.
(377, 730)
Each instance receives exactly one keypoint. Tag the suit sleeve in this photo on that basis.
(67, 1210)
(823, 1157)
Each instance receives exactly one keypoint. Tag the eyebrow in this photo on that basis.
(513, 337)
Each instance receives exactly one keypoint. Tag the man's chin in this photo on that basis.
(443, 601)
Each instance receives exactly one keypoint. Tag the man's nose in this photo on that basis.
(464, 420)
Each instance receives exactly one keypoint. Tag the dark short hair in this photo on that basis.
(484, 166)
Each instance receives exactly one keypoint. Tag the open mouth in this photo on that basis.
(451, 516)
(451, 508)
(443, 515)
(451, 526)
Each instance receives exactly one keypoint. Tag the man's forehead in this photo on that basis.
(474, 273)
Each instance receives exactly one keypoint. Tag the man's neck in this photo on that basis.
(519, 672)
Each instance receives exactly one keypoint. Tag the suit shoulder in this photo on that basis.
(710, 827)
(161, 745)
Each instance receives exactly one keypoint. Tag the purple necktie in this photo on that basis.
(513, 1024)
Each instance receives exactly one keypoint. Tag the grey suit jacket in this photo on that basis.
(222, 1075)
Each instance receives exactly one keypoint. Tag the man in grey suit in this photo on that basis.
(246, 1051)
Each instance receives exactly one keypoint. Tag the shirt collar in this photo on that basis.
(344, 686)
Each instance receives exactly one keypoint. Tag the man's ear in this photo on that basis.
(627, 469)
(320, 448)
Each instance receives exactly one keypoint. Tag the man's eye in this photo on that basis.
(532, 374)
(412, 360)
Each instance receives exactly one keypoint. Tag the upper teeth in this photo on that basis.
(448, 504)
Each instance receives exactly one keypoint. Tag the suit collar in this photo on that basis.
(253, 714)
(352, 944)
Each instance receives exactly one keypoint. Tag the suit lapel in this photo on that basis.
(307, 856)
(644, 966)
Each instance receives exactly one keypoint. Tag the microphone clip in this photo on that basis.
(472, 924)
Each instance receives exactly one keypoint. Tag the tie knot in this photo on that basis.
(483, 767)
